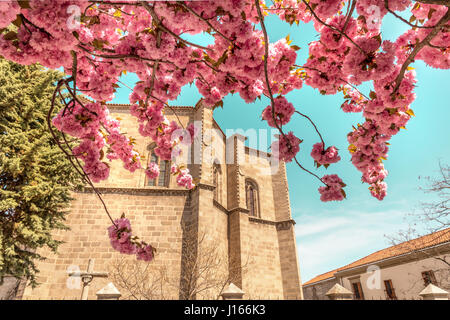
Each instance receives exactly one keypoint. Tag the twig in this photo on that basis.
(386, 5)
(314, 125)
(164, 28)
(266, 73)
(78, 168)
(333, 28)
(207, 22)
(349, 15)
(417, 48)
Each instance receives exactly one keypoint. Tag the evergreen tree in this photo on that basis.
(35, 176)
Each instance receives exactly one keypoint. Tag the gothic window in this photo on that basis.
(217, 181)
(252, 197)
(164, 172)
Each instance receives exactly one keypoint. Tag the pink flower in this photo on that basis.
(145, 253)
(174, 169)
(286, 147)
(122, 240)
(152, 171)
(333, 190)
(333, 65)
(378, 190)
(283, 112)
(184, 179)
(325, 157)
(120, 236)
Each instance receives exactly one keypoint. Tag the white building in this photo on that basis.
(398, 272)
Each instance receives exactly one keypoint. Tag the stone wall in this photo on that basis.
(264, 246)
(263, 279)
(155, 217)
(318, 290)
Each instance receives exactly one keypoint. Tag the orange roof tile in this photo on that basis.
(423, 242)
(323, 276)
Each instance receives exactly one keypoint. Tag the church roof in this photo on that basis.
(406, 247)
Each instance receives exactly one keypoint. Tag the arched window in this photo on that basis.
(217, 181)
(164, 171)
(252, 197)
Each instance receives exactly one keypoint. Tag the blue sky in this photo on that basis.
(332, 234)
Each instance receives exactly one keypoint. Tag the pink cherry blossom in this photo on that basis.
(333, 190)
(325, 157)
(120, 236)
(145, 253)
(282, 113)
(152, 171)
(116, 38)
(286, 147)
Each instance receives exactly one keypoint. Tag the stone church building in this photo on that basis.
(244, 212)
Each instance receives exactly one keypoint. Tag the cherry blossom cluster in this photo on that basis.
(122, 240)
(183, 177)
(286, 147)
(333, 191)
(324, 157)
(354, 102)
(147, 38)
(339, 62)
(8, 12)
(92, 124)
(368, 149)
(152, 171)
(282, 113)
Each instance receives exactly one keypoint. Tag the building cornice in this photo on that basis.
(219, 206)
(411, 256)
(239, 209)
(206, 186)
(321, 281)
(285, 225)
(136, 191)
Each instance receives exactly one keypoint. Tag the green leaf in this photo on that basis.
(24, 4)
(18, 21)
(98, 44)
(10, 36)
(377, 37)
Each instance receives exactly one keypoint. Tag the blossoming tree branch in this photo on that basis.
(97, 41)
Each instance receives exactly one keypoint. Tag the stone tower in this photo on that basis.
(244, 212)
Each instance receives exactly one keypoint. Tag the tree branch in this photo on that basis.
(164, 28)
(418, 47)
(439, 2)
(266, 74)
